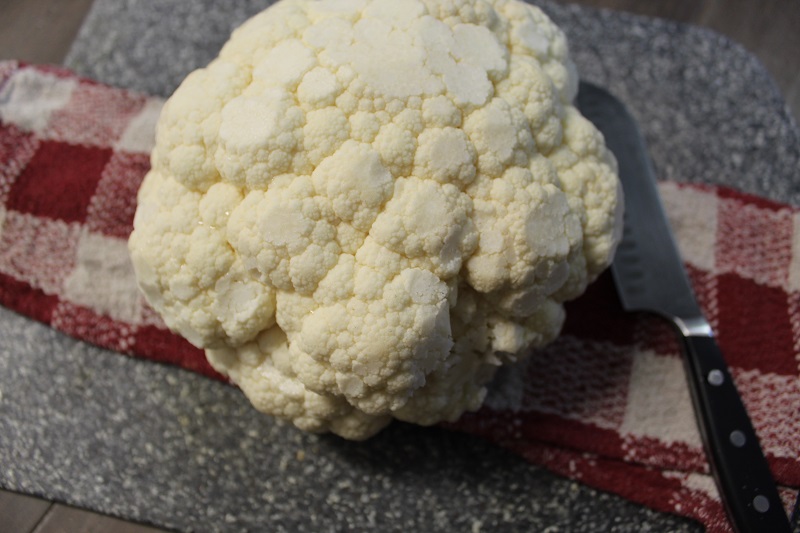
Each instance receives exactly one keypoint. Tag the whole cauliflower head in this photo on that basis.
(362, 208)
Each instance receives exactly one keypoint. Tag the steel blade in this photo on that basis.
(647, 267)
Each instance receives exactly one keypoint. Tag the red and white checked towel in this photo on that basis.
(606, 404)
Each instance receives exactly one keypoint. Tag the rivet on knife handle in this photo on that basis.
(752, 500)
(649, 275)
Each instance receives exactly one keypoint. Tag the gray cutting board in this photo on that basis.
(157, 444)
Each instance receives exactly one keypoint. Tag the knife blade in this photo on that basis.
(649, 275)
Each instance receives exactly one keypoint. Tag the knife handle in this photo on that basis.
(737, 461)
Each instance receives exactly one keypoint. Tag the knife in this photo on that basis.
(649, 276)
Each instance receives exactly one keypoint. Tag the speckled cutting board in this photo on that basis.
(161, 445)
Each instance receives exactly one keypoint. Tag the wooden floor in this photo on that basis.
(41, 31)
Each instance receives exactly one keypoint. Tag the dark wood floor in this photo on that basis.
(41, 31)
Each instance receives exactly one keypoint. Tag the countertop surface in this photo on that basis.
(160, 445)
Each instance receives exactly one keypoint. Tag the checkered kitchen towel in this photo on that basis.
(607, 403)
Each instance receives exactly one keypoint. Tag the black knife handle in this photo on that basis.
(739, 466)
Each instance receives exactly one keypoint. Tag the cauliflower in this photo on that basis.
(362, 208)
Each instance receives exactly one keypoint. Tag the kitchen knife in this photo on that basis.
(649, 276)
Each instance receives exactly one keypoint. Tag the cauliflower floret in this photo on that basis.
(363, 208)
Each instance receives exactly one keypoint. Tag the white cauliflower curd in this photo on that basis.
(362, 208)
